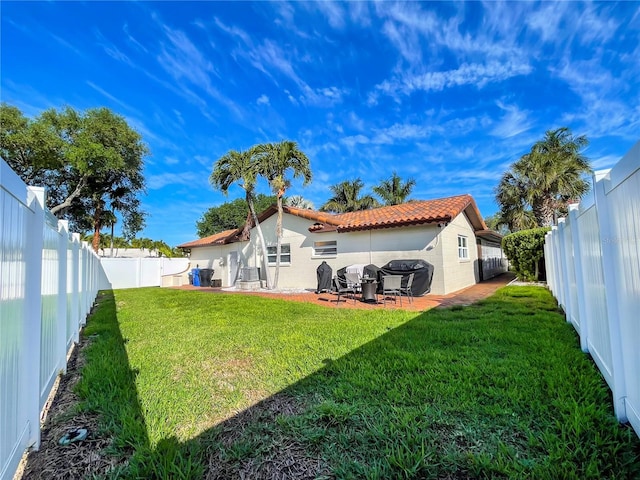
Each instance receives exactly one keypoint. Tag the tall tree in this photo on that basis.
(393, 191)
(230, 215)
(89, 162)
(30, 147)
(347, 198)
(275, 160)
(241, 168)
(299, 201)
(542, 182)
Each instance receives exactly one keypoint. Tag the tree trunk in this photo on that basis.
(543, 210)
(263, 245)
(67, 201)
(111, 253)
(95, 243)
(278, 239)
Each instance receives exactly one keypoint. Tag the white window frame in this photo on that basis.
(463, 247)
(325, 249)
(285, 256)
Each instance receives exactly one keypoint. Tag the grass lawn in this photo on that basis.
(194, 385)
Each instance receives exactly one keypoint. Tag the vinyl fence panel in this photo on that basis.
(593, 265)
(47, 287)
(139, 272)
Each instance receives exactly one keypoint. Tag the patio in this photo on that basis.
(465, 296)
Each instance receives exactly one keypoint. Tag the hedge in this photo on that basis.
(525, 251)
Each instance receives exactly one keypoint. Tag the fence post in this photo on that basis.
(63, 244)
(579, 275)
(75, 282)
(33, 312)
(558, 262)
(564, 286)
(601, 180)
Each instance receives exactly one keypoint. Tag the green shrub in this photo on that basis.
(525, 251)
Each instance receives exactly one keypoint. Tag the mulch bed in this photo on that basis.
(77, 460)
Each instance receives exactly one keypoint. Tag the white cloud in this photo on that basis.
(354, 140)
(513, 122)
(156, 182)
(133, 41)
(333, 11)
(263, 100)
(111, 97)
(474, 74)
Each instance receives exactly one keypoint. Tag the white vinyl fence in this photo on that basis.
(593, 269)
(141, 272)
(48, 283)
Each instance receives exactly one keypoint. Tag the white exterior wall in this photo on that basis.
(458, 273)
(372, 246)
(218, 257)
(427, 242)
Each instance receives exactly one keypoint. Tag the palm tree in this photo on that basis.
(241, 168)
(298, 201)
(392, 191)
(346, 198)
(542, 182)
(274, 161)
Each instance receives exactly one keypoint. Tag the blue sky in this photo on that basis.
(449, 94)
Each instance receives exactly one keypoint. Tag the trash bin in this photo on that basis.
(195, 273)
(205, 277)
(190, 278)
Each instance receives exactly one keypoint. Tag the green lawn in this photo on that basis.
(231, 386)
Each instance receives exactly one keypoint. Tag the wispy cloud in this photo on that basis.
(474, 74)
(161, 180)
(184, 61)
(114, 99)
(513, 122)
(263, 100)
(132, 40)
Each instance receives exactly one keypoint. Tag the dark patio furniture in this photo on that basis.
(391, 286)
(423, 274)
(342, 288)
(406, 289)
(353, 280)
(324, 274)
(369, 287)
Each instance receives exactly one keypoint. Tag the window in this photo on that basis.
(463, 249)
(325, 249)
(285, 254)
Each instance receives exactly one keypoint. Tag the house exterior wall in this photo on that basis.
(459, 273)
(372, 246)
(434, 244)
(217, 257)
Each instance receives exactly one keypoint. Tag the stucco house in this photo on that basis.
(448, 232)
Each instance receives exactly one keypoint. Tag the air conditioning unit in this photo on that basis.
(250, 274)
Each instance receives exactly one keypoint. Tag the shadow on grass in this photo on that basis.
(499, 389)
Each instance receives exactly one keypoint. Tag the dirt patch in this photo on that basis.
(282, 459)
(77, 460)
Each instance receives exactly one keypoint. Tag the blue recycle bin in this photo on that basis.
(196, 277)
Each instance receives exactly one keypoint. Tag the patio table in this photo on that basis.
(369, 287)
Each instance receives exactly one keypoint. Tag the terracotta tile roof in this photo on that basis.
(412, 213)
(216, 239)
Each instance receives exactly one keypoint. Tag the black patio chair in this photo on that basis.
(391, 285)
(342, 288)
(406, 290)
